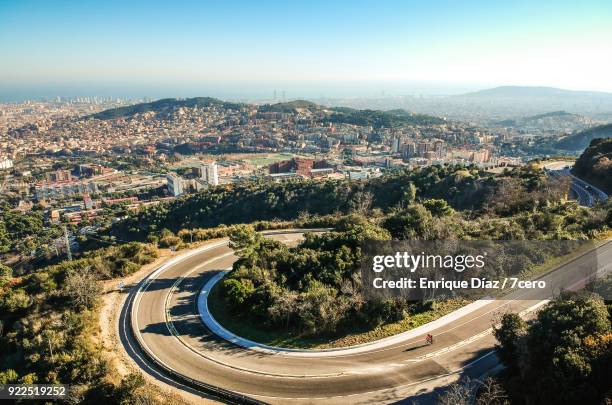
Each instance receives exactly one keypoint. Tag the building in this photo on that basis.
(363, 174)
(300, 166)
(59, 176)
(6, 164)
(395, 144)
(61, 190)
(422, 148)
(210, 173)
(87, 201)
(408, 150)
(175, 184)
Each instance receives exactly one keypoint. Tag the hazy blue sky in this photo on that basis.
(248, 44)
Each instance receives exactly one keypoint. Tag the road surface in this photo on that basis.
(160, 323)
(585, 193)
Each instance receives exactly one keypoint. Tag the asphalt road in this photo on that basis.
(585, 193)
(165, 323)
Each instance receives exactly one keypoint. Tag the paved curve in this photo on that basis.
(586, 194)
(165, 321)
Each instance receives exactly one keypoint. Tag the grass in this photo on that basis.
(559, 261)
(267, 159)
(288, 339)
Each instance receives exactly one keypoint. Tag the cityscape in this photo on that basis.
(329, 203)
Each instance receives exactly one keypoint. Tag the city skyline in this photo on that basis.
(245, 50)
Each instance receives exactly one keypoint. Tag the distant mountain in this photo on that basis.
(493, 105)
(582, 139)
(595, 163)
(162, 105)
(529, 92)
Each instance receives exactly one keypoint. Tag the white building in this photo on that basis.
(210, 174)
(175, 184)
(5, 163)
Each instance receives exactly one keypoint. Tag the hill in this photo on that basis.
(595, 164)
(163, 105)
(289, 106)
(581, 140)
(560, 121)
(375, 118)
(533, 92)
(381, 119)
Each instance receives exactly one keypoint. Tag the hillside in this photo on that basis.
(561, 121)
(581, 140)
(381, 119)
(345, 115)
(162, 105)
(533, 92)
(254, 201)
(289, 106)
(595, 164)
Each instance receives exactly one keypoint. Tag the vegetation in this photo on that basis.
(582, 139)
(263, 201)
(595, 164)
(289, 107)
(26, 234)
(563, 357)
(48, 319)
(314, 289)
(163, 105)
(517, 204)
(380, 119)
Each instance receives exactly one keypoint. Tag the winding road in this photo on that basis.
(586, 194)
(161, 329)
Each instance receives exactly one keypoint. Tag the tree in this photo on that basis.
(458, 393)
(237, 292)
(509, 335)
(438, 208)
(6, 274)
(82, 288)
(491, 392)
(409, 196)
(361, 202)
(566, 354)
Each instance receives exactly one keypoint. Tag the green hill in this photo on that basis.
(162, 105)
(381, 119)
(581, 140)
(595, 164)
(289, 106)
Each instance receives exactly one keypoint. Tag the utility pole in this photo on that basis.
(67, 243)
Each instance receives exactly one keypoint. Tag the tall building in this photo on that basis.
(440, 149)
(210, 173)
(175, 184)
(395, 144)
(408, 150)
(422, 148)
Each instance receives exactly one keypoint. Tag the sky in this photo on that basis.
(322, 47)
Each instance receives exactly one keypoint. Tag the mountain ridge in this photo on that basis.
(531, 91)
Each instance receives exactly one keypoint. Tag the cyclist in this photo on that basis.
(429, 339)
